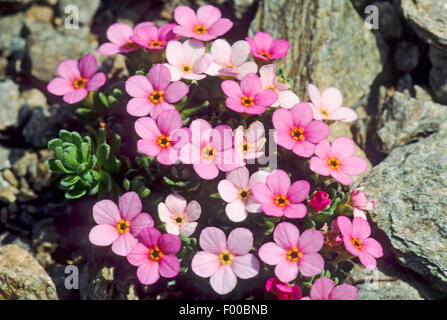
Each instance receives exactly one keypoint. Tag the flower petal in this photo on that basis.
(176, 91)
(319, 166)
(295, 211)
(213, 240)
(69, 70)
(205, 264)
(286, 271)
(341, 177)
(271, 253)
(96, 81)
(262, 193)
(139, 107)
(331, 99)
(185, 16)
(354, 165)
(75, 96)
(344, 292)
(169, 266)
(342, 148)
(286, 235)
(160, 77)
(240, 241)
(298, 191)
(88, 66)
(124, 244)
(321, 289)
(103, 235)
(227, 191)
(60, 86)
(149, 237)
(311, 241)
(316, 131)
(193, 211)
(138, 256)
(139, 86)
(278, 182)
(251, 85)
(245, 266)
(231, 89)
(220, 27)
(236, 211)
(106, 212)
(143, 220)
(147, 273)
(224, 280)
(311, 264)
(130, 205)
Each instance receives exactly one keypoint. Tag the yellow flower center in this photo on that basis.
(333, 163)
(244, 194)
(297, 133)
(245, 147)
(155, 43)
(247, 101)
(208, 152)
(164, 141)
(123, 226)
(179, 220)
(294, 255)
(264, 54)
(80, 83)
(281, 201)
(186, 68)
(357, 243)
(155, 254)
(156, 96)
(130, 45)
(324, 113)
(225, 257)
(200, 29)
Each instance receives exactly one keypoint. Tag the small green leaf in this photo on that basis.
(69, 161)
(144, 192)
(65, 135)
(117, 91)
(68, 181)
(105, 181)
(76, 139)
(126, 184)
(77, 192)
(111, 99)
(103, 153)
(52, 165)
(215, 195)
(140, 72)
(54, 143)
(104, 100)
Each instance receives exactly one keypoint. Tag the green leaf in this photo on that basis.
(81, 168)
(144, 192)
(52, 165)
(68, 181)
(140, 72)
(85, 112)
(103, 99)
(105, 181)
(111, 99)
(54, 143)
(77, 192)
(61, 166)
(69, 161)
(117, 91)
(126, 184)
(65, 135)
(101, 136)
(76, 139)
(215, 195)
(103, 153)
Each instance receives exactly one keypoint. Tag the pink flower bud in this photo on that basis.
(319, 200)
(282, 290)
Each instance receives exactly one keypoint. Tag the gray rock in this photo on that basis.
(406, 56)
(4, 158)
(406, 120)
(376, 285)
(22, 278)
(9, 104)
(86, 8)
(11, 26)
(329, 45)
(8, 193)
(48, 47)
(411, 190)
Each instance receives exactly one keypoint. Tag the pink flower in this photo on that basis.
(328, 105)
(231, 61)
(319, 200)
(119, 36)
(278, 198)
(187, 60)
(292, 253)
(325, 289)
(297, 131)
(356, 240)
(153, 38)
(338, 160)
(205, 26)
(264, 47)
(249, 97)
(359, 202)
(119, 226)
(250, 143)
(282, 290)
(76, 79)
(155, 256)
(154, 93)
(236, 191)
(161, 138)
(286, 98)
(179, 215)
(224, 260)
(210, 150)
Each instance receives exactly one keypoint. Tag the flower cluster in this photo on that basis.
(299, 219)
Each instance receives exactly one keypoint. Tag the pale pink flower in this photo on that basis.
(264, 47)
(278, 198)
(207, 25)
(359, 202)
(357, 241)
(154, 93)
(286, 98)
(187, 60)
(283, 290)
(250, 143)
(161, 138)
(119, 36)
(248, 97)
(155, 256)
(224, 260)
(236, 191)
(178, 215)
(231, 61)
(119, 226)
(329, 105)
(297, 131)
(210, 149)
(292, 253)
(76, 79)
(325, 289)
(338, 160)
(153, 38)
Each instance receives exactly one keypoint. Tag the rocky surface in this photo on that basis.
(411, 189)
(22, 278)
(329, 45)
(10, 102)
(406, 120)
